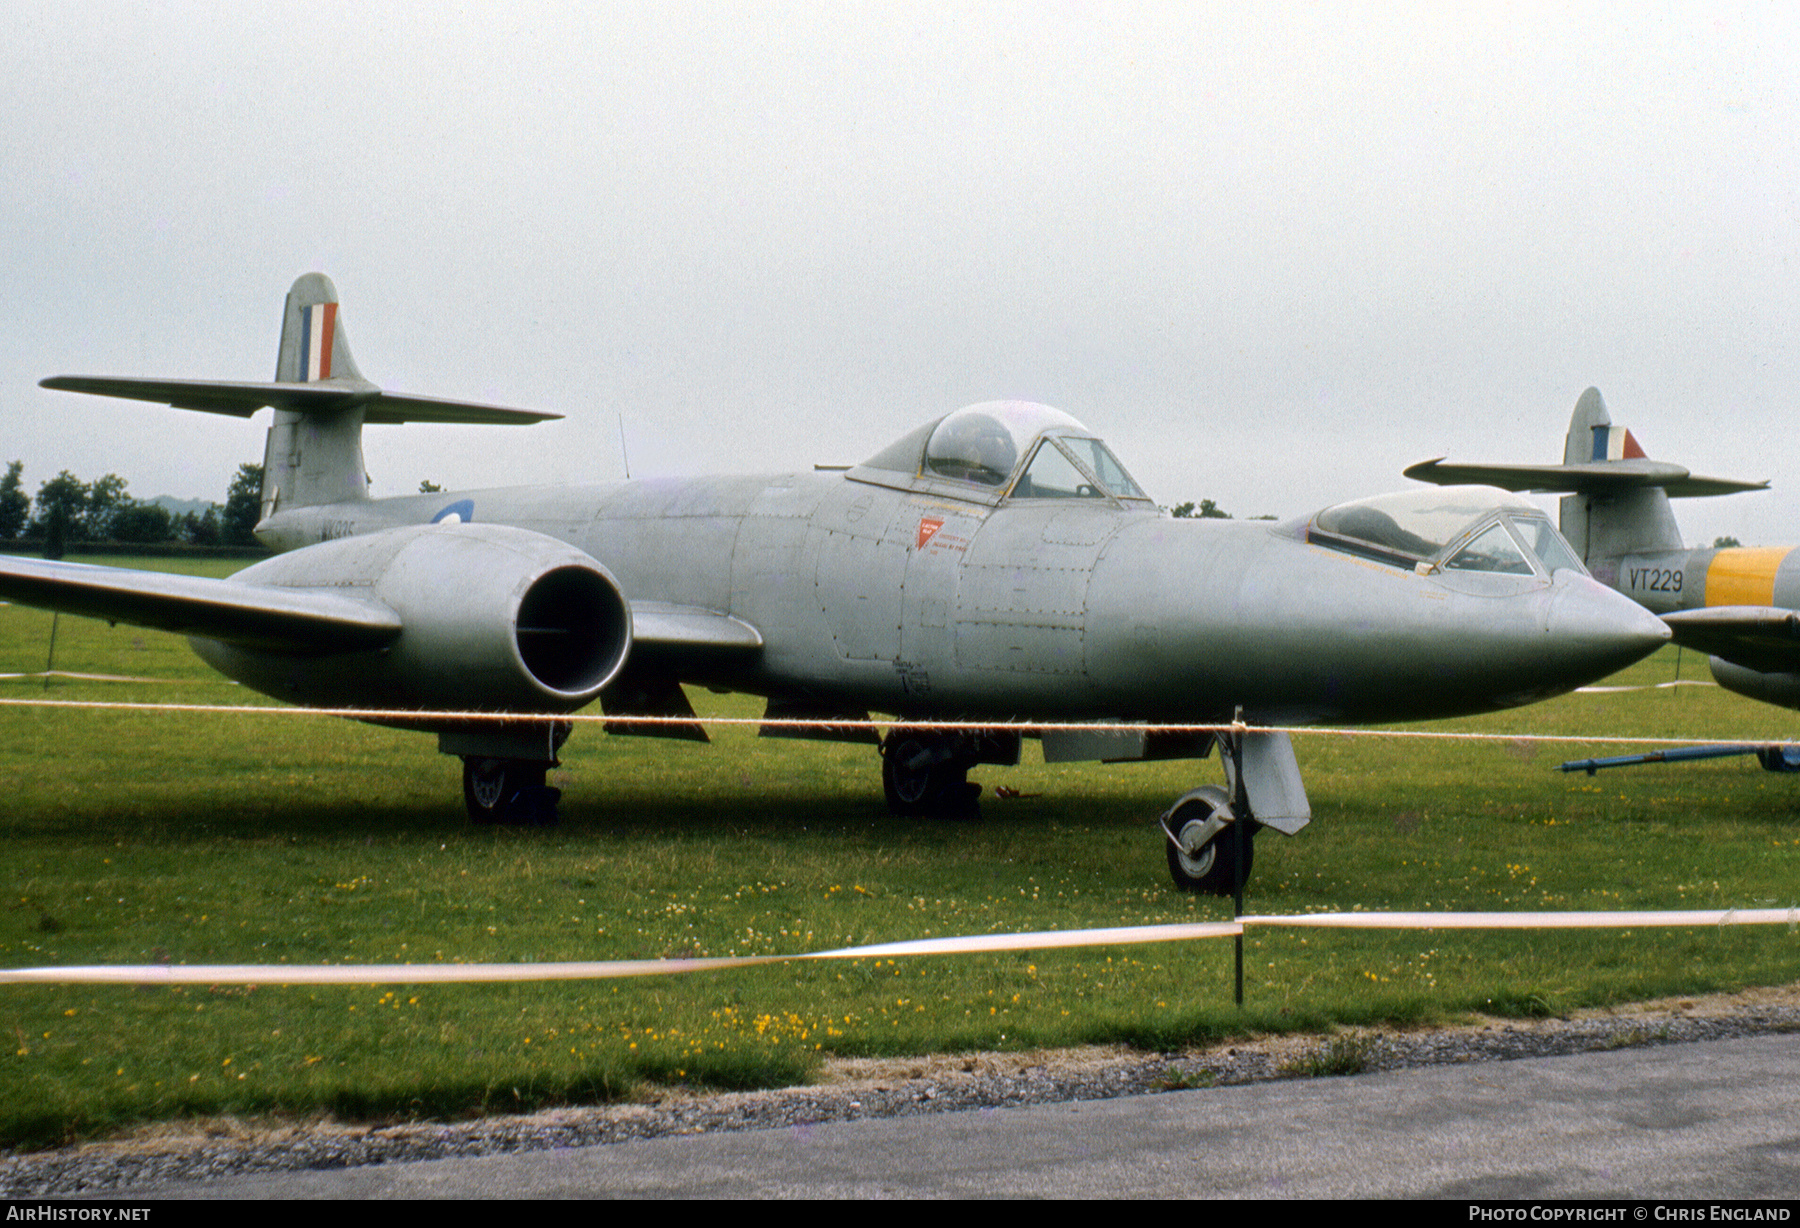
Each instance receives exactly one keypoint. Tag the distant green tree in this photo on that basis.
(62, 502)
(56, 533)
(429, 487)
(201, 530)
(15, 504)
(143, 523)
(1726, 543)
(106, 498)
(1205, 510)
(243, 506)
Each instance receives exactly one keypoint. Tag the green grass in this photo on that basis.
(137, 837)
(1341, 1055)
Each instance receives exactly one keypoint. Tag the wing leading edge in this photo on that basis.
(256, 616)
(280, 619)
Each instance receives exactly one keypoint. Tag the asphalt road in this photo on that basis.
(1712, 1120)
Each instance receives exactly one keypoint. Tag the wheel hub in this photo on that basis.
(487, 782)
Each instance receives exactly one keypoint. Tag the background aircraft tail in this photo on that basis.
(1605, 521)
(314, 451)
(1618, 500)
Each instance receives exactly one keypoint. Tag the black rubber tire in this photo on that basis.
(509, 791)
(1214, 872)
(939, 788)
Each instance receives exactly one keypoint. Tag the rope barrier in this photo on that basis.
(415, 716)
(365, 974)
(1044, 940)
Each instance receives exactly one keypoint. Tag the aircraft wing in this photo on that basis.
(683, 626)
(1762, 638)
(260, 616)
(303, 619)
(321, 396)
(678, 641)
(1612, 475)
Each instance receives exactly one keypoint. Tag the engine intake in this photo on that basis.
(572, 628)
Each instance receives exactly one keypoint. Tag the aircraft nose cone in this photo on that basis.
(1598, 631)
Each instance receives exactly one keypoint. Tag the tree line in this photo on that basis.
(1206, 509)
(69, 511)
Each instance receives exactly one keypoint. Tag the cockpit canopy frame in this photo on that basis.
(1004, 450)
(1448, 528)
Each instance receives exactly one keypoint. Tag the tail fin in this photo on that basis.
(1602, 522)
(316, 383)
(315, 455)
(1593, 437)
(1619, 498)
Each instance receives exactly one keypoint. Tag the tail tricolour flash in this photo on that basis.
(1593, 437)
(313, 346)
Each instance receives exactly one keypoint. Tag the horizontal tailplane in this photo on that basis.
(1617, 500)
(316, 383)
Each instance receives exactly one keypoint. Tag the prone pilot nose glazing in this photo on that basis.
(1594, 630)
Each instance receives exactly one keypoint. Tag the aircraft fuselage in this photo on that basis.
(909, 602)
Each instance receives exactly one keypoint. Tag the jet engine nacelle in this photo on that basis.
(493, 618)
(1770, 688)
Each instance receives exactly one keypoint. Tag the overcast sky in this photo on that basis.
(1273, 253)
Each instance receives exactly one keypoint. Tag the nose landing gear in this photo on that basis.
(1209, 831)
(1202, 847)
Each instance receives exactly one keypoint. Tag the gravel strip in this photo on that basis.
(852, 1090)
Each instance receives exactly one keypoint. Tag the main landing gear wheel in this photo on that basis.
(509, 791)
(1198, 864)
(925, 774)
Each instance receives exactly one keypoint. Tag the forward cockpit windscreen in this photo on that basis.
(1102, 464)
(1453, 528)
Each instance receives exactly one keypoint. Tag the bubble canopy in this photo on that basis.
(1456, 528)
(1010, 447)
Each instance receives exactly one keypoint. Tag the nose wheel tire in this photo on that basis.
(1210, 868)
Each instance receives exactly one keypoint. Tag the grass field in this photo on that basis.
(137, 837)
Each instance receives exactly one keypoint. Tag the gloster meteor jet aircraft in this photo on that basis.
(997, 566)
